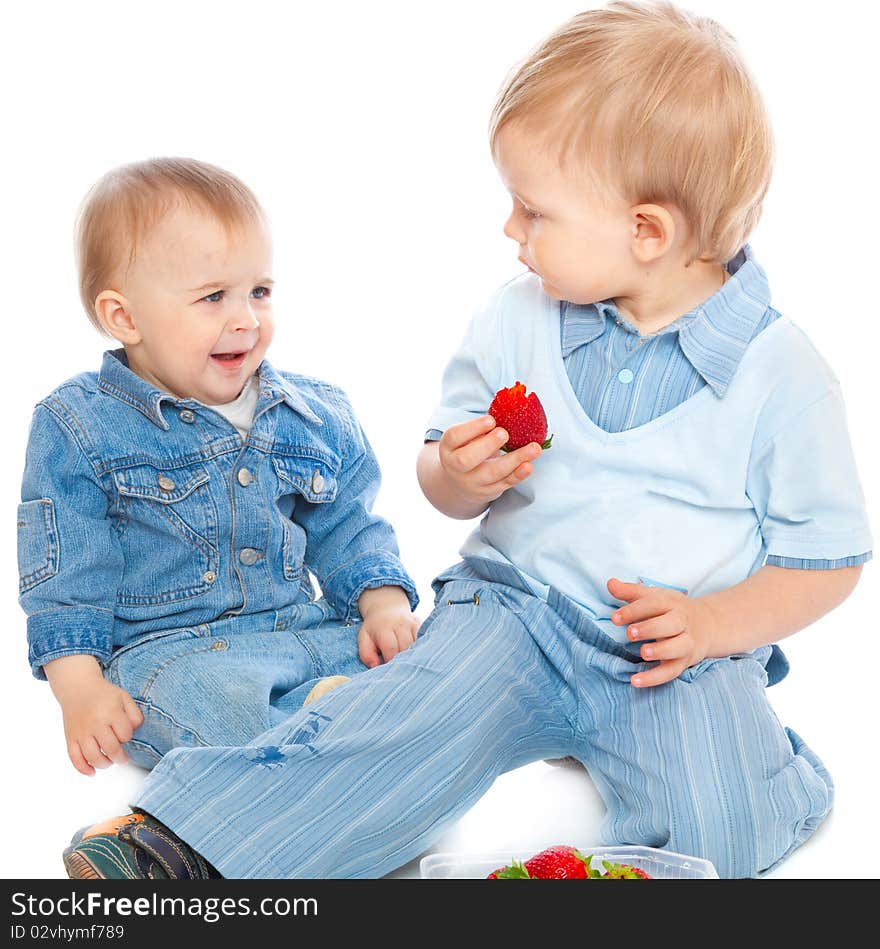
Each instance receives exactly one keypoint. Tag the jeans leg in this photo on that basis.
(365, 781)
(195, 688)
(333, 649)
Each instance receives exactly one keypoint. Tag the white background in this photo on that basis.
(362, 128)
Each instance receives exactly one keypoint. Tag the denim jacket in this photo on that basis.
(143, 512)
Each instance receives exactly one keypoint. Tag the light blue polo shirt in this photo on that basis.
(624, 380)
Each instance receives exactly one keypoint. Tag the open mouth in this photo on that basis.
(229, 360)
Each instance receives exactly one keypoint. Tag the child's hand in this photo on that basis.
(389, 625)
(99, 717)
(471, 457)
(681, 626)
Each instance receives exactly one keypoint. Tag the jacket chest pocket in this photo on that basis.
(168, 532)
(300, 479)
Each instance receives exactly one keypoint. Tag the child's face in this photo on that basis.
(198, 301)
(578, 244)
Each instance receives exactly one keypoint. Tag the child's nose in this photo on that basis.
(244, 318)
(513, 229)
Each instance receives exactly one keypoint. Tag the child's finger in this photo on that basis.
(92, 753)
(135, 715)
(405, 635)
(458, 435)
(658, 627)
(626, 591)
(664, 650)
(78, 760)
(644, 608)
(662, 672)
(474, 453)
(367, 650)
(122, 728)
(387, 644)
(508, 468)
(110, 746)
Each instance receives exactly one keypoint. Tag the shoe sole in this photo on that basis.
(325, 685)
(78, 868)
(76, 865)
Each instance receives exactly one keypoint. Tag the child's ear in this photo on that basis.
(653, 231)
(114, 312)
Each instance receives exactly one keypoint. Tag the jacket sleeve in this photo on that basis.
(69, 560)
(348, 548)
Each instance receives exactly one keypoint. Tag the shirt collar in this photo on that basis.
(116, 379)
(713, 337)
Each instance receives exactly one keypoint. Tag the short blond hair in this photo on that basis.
(126, 203)
(659, 106)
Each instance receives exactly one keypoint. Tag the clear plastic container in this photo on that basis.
(660, 864)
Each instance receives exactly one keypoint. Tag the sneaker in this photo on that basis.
(133, 847)
(325, 685)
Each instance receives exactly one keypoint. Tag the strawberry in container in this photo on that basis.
(566, 863)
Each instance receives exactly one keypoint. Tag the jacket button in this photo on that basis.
(165, 483)
(244, 477)
(317, 482)
(249, 556)
(187, 416)
(209, 577)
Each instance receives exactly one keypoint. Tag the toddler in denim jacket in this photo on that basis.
(622, 598)
(176, 503)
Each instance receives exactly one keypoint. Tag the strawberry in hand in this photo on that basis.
(521, 415)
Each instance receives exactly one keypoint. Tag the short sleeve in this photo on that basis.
(467, 387)
(805, 488)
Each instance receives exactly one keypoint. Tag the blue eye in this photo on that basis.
(262, 293)
(214, 297)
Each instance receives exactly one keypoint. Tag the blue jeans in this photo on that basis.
(367, 777)
(225, 682)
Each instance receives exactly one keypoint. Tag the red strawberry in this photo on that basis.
(521, 416)
(513, 871)
(554, 863)
(558, 863)
(623, 871)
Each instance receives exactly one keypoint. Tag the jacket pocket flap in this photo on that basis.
(165, 485)
(311, 477)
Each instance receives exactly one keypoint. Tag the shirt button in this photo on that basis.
(165, 483)
(244, 477)
(187, 416)
(317, 482)
(209, 577)
(249, 556)
(625, 376)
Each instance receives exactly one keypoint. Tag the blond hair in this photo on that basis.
(658, 105)
(124, 205)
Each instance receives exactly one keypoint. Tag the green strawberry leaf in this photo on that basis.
(516, 871)
(547, 443)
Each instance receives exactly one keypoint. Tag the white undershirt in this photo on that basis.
(240, 412)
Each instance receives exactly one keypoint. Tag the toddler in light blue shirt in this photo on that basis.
(621, 599)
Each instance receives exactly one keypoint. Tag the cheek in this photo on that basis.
(267, 330)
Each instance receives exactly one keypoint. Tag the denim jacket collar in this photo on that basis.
(713, 337)
(116, 379)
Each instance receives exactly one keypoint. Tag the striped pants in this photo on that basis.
(366, 778)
